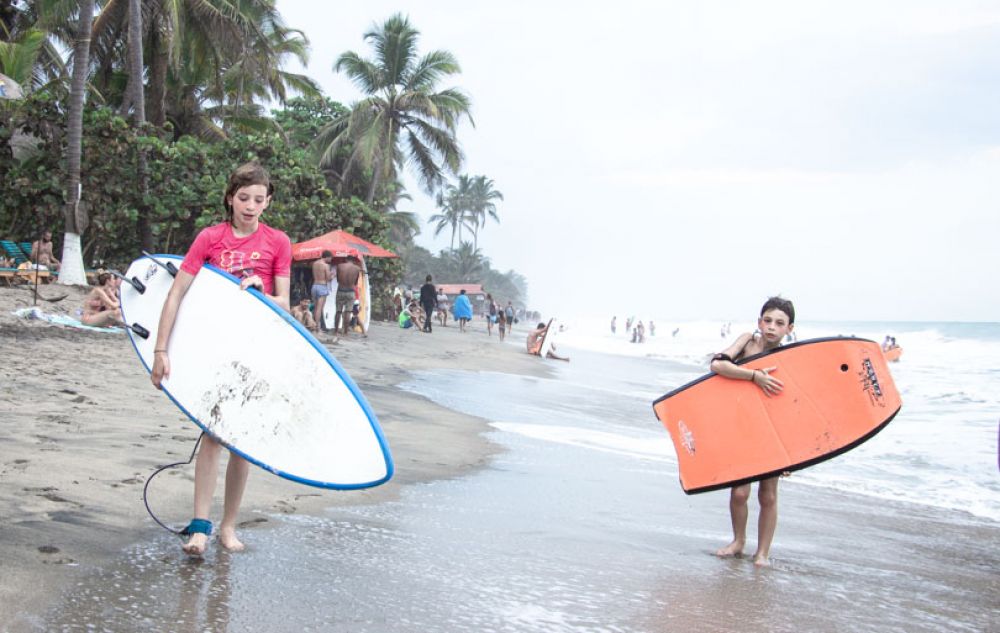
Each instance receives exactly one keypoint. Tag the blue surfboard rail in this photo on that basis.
(323, 352)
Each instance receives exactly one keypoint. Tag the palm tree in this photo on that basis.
(72, 271)
(403, 118)
(467, 262)
(481, 205)
(454, 205)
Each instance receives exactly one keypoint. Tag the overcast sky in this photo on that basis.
(688, 159)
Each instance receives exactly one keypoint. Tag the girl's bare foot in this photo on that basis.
(733, 550)
(196, 545)
(761, 560)
(227, 536)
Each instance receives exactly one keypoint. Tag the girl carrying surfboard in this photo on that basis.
(262, 257)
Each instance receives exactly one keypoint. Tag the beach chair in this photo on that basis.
(26, 248)
(14, 251)
(8, 276)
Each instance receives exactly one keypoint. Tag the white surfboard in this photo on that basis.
(252, 377)
(330, 307)
(550, 335)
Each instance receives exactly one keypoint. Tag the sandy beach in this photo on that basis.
(83, 428)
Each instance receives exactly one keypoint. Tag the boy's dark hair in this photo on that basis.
(541, 325)
(103, 278)
(428, 279)
(778, 303)
(326, 254)
(246, 175)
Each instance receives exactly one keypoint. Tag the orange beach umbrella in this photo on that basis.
(341, 244)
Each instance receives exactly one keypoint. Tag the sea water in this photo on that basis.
(940, 450)
(579, 524)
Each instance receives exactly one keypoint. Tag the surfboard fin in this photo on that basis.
(139, 330)
(169, 266)
(134, 281)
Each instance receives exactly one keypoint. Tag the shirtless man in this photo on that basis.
(301, 313)
(535, 343)
(321, 284)
(41, 252)
(348, 272)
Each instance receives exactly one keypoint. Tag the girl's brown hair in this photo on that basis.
(246, 175)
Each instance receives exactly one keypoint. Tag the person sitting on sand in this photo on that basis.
(462, 310)
(405, 318)
(41, 252)
(535, 339)
(303, 315)
(101, 308)
(777, 319)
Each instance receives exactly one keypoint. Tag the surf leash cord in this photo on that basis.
(145, 489)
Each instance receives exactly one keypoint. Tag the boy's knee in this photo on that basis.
(740, 495)
(767, 498)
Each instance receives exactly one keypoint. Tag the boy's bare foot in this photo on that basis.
(196, 545)
(760, 560)
(733, 550)
(227, 536)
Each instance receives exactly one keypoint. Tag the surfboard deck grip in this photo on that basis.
(169, 266)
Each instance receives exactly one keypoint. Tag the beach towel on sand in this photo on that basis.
(61, 319)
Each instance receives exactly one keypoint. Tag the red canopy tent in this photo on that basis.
(341, 244)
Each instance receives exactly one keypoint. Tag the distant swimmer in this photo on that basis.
(534, 343)
(614, 324)
(676, 330)
(777, 320)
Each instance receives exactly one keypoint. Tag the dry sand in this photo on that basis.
(83, 428)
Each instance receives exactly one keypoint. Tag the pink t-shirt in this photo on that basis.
(267, 252)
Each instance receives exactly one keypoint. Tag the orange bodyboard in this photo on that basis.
(837, 394)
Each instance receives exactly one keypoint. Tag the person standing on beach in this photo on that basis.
(442, 304)
(491, 313)
(348, 273)
(777, 319)
(322, 274)
(428, 301)
(461, 309)
(509, 313)
(614, 324)
(262, 256)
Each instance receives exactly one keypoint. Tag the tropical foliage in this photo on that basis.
(403, 118)
(171, 95)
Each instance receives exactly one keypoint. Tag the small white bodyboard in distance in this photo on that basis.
(252, 377)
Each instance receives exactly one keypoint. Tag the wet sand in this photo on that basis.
(83, 428)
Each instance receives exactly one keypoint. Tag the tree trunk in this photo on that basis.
(159, 58)
(72, 271)
(135, 93)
